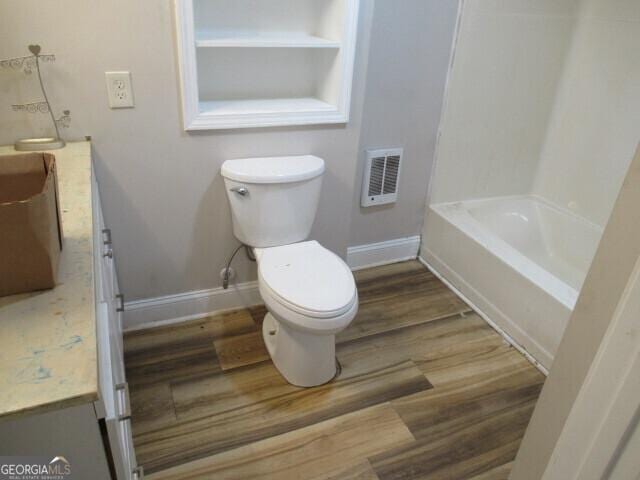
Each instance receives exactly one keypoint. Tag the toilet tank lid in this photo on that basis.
(273, 169)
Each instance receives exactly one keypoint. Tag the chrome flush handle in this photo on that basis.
(242, 191)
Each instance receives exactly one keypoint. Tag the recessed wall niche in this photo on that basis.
(261, 63)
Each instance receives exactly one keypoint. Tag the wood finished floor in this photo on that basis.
(427, 391)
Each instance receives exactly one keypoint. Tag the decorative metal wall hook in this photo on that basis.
(33, 107)
(28, 64)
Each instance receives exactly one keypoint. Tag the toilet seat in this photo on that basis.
(309, 280)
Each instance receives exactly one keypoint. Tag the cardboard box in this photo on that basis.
(30, 223)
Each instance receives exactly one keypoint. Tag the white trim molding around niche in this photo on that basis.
(319, 63)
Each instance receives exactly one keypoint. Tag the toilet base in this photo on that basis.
(303, 359)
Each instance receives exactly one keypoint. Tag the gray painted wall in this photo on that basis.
(408, 62)
(161, 188)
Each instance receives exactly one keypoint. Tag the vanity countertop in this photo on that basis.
(48, 352)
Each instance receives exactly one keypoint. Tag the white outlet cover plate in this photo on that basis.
(119, 89)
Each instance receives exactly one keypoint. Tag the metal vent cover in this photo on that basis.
(381, 177)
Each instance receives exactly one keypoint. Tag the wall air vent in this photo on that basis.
(381, 177)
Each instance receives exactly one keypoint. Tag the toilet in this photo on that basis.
(309, 291)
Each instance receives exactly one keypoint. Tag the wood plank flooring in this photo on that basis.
(427, 391)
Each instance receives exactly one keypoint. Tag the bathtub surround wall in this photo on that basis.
(593, 132)
(544, 99)
(508, 63)
(161, 187)
(538, 133)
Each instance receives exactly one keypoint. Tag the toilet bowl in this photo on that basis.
(309, 291)
(311, 296)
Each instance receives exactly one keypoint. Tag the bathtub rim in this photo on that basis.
(548, 203)
(458, 215)
(485, 306)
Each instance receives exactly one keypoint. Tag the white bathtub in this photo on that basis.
(521, 261)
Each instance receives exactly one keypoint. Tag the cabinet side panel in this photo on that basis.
(73, 433)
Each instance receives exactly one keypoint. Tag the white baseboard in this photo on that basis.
(182, 307)
(383, 253)
(170, 309)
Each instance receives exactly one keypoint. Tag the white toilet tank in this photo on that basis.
(273, 200)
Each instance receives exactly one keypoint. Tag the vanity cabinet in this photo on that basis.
(262, 63)
(113, 407)
(63, 387)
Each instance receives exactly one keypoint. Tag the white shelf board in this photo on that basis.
(265, 40)
(273, 112)
(265, 106)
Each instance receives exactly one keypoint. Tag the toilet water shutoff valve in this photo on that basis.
(227, 274)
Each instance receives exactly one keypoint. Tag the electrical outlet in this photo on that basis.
(119, 89)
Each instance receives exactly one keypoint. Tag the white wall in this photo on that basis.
(162, 192)
(595, 125)
(508, 62)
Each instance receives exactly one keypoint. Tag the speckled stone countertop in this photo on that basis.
(48, 353)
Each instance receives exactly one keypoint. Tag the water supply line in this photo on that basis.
(227, 271)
